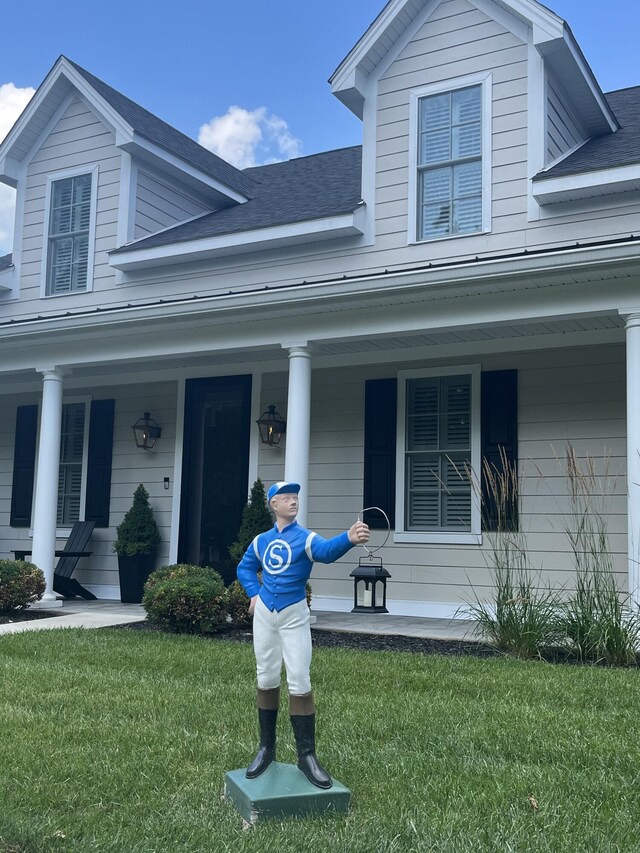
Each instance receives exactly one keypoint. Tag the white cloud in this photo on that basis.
(249, 137)
(12, 102)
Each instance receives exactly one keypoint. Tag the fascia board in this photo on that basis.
(6, 279)
(146, 150)
(586, 184)
(9, 171)
(329, 228)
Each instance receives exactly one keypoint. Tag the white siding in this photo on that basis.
(160, 203)
(78, 139)
(563, 132)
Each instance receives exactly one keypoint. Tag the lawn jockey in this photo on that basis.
(281, 629)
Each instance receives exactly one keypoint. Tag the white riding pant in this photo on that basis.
(283, 635)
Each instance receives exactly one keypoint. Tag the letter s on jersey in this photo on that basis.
(277, 557)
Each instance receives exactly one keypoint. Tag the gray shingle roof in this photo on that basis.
(306, 188)
(6, 261)
(168, 138)
(621, 148)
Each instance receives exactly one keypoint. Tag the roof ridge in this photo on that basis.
(97, 83)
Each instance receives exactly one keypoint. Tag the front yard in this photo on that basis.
(119, 741)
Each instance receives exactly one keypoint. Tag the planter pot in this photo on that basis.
(134, 572)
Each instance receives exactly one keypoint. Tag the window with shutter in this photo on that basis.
(72, 442)
(439, 452)
(71, 203)
(450, 138)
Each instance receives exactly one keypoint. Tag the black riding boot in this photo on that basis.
(268, 702)
(304, 729)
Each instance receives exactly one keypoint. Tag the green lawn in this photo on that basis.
(119, 741)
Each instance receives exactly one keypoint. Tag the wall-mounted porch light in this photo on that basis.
(146, 432)
(272, 427)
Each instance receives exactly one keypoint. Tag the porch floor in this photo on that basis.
(102, 614)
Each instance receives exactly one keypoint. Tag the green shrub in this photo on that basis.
(238, 605)
(20, 584)
(256, 518)
(138, 532)
(188, 599)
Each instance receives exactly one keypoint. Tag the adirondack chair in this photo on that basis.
(73, 550)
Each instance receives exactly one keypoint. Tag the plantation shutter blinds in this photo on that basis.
(70, 471)
(99, 462)
(69, 223)
(380, 450)
(23, 466)
(438, 454)
(98, 465)
(499, 430)
(450, 163)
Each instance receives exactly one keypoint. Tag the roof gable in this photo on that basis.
(137, 131)
(530, 20)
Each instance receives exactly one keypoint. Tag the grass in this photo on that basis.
(119, 741)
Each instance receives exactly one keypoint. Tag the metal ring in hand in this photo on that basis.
(371, 551)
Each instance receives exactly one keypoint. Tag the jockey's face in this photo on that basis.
(285, 506)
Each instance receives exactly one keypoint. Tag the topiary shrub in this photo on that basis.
(138, 532)
(256, 518)
(187, 599)
(20, 584)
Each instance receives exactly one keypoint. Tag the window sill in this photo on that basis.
(436, 538)
(442, 237)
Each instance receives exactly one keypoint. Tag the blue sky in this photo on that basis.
(191, 61)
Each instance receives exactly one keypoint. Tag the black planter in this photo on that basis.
(134, 572)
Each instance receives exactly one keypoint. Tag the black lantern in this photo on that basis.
(272, 427)
(370, 572)
(146, 431)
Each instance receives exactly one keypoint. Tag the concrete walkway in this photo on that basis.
(103, 614)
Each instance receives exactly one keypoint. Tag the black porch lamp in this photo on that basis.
(146, 432)
(272, 427)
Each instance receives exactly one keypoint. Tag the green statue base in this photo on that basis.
(282, 791)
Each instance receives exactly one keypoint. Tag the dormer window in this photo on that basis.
(451, 157)
(71, 217)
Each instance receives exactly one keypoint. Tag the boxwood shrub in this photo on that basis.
(20, 584)
(188, 599)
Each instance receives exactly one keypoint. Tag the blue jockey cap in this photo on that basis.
(282, 488)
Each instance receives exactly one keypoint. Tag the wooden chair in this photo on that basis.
(73, 550)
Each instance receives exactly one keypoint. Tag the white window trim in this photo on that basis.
(51, 179)
(485, 81)
(63, 532)
(474, 536)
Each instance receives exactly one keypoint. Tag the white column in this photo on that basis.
(633, 453)
(45, 508)
(296, 463)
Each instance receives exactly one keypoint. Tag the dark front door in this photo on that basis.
(215, 470)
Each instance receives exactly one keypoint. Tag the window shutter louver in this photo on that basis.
(24, 462)
(380, 407)
(499, 430)
(99, 462)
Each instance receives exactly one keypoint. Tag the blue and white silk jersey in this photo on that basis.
(286, 557)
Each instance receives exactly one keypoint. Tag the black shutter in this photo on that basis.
(499, 425)
(380, 408)
(99, 462)
(24, 465)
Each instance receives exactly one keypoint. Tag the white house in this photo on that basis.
(468, 279)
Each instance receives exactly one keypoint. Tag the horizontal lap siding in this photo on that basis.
(79, 139)
(575, 396)
(160, 204)
(457, 41)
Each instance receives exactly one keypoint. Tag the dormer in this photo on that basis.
(454, 100)
(107, 147)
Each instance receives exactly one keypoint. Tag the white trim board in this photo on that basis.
(396, 607)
